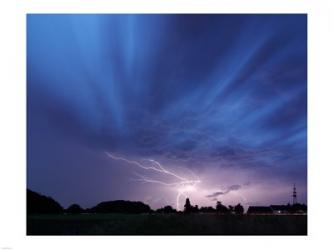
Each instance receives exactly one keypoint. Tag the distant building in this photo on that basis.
(294, 208)
(259, 210)
(280, 209)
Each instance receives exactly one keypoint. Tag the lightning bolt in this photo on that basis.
(182, 184)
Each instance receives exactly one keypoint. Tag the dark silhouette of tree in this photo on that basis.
(166, 210)
(207, 210)
(121, 206)
(74, 209)
(37, 203)
(298, 208)
(220, 208)
(188, 206)
(239, 209)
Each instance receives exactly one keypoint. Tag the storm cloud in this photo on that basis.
(192, 91)
(228, 189)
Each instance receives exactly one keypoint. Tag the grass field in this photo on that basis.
(166, 224)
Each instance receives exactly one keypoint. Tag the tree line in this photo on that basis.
(39, 204)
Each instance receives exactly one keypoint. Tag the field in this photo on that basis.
(166, 224)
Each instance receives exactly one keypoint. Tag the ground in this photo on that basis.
(166, 224)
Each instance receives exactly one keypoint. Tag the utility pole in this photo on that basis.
(294, 195)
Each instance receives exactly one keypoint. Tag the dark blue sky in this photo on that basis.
(219, 97)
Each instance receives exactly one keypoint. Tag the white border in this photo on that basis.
(12, 130)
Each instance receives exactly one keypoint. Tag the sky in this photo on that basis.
(160, 107)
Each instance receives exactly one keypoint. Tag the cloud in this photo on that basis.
(235, 99)
(234, 187)
(213, 195)
(228, 190)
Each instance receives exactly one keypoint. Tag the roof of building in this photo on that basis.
(280, 207)
(260, 209)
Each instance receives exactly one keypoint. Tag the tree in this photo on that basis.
(74, 209)
(298, 208)
(220, 208)
(121, 206)
(187, 206)
(239, 209)
(207, 210)
(40, 204)
(166, 210)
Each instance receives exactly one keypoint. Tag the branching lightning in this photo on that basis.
(182, 184)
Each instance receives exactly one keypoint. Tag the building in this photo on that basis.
(281, 209)
(259, 210)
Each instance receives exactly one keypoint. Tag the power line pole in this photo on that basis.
(294, 195)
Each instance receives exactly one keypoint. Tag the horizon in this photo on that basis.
(233, 205)
(157, 108)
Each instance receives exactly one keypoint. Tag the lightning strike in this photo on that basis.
(183, 185)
